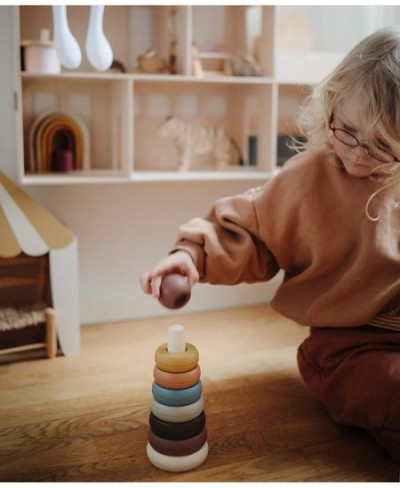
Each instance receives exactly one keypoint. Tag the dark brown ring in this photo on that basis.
(181, 447)
(177, 430)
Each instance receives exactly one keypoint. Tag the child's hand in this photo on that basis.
(178, 262)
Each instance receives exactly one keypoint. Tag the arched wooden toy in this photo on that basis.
(175, 291)
(177, 439)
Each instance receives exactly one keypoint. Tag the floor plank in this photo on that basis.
(85, 418)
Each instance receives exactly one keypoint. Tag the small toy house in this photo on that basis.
(39, 300)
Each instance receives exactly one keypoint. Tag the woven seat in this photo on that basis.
(26, 325)
(21, 316)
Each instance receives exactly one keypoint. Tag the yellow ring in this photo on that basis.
(176, 362)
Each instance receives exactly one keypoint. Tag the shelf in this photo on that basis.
(162, 78)
(145, 176)
(115, 117)
(173, 176)
(223, 80)
(73, 75)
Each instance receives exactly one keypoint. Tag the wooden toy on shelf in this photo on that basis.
(191, 139)
(211, 63)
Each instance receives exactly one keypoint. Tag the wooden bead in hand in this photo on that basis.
(174, 291)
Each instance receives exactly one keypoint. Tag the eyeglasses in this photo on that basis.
(350, 140)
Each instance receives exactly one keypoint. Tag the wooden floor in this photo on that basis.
(85, 418)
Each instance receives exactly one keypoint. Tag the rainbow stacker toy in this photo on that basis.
(177, 439)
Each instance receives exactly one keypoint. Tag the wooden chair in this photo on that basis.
(27, 319)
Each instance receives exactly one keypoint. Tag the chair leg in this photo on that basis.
(51, 333)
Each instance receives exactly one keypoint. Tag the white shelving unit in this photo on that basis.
(123, 110)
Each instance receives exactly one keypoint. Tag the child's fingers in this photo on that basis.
(168, 265)
(145, 282)
(151, 284)
(174, 263)
(155, 284)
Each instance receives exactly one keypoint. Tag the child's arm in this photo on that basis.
(225, 247)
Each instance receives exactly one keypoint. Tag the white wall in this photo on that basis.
(122, 229)
(7, 113)
(338, 28)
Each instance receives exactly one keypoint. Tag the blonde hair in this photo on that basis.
(371, 73)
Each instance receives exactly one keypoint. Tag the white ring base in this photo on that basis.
(177, 464)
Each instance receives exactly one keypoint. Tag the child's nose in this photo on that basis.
(363, 151)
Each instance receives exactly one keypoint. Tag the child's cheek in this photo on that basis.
(339, 148)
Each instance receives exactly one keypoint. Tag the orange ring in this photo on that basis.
(176, 362)
(176, 381)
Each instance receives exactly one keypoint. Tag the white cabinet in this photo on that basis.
(114, 117)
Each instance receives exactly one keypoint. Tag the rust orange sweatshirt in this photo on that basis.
(340, 267)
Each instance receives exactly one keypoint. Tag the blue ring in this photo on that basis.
(177, 398)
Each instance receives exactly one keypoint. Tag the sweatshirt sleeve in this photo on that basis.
(226, 245)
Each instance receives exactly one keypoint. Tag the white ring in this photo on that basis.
(177, 464)
(177, 414)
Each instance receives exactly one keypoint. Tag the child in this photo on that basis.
(331, 220)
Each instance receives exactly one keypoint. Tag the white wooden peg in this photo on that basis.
(176, 339)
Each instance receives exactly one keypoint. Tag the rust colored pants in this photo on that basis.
(355, 373)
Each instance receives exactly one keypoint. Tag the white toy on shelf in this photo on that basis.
(98, 48)
(67, 47)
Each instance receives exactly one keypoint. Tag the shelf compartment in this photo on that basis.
(131, 30)
(239, 109)
(100, 104)
(114, 104)
(236, 30)
(290, 98)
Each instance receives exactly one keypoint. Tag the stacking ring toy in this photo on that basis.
(176, 362)
(176, 381)
(177, 398)
(177, 464)
(177, 414)
(182, 447)
(177, 431)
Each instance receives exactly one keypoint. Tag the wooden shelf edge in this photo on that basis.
(164, 78)
(165, 176)
(147, 177)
